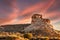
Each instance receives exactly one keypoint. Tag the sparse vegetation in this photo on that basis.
(26, 36)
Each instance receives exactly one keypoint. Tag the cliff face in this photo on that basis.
(41, 26)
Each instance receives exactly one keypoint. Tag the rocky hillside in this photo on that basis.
(13, 28)
(41, 26)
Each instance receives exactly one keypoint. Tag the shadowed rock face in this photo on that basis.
(39, 23)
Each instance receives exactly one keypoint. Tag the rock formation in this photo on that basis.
(41, 26)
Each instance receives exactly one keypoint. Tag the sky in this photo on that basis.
(20, 11)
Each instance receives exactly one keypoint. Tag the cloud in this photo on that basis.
(39, 7)
(12, 15)
(44, 7)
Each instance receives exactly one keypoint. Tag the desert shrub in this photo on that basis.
(5, 38)
(28, 35)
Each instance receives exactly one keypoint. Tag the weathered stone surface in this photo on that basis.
(41, 26)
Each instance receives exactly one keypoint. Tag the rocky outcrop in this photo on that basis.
(41, 26)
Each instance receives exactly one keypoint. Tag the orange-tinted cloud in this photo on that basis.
(47, 6)
(33, 8)
(13, 15)
(40, 7)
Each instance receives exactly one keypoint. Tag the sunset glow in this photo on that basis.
(20, 11)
